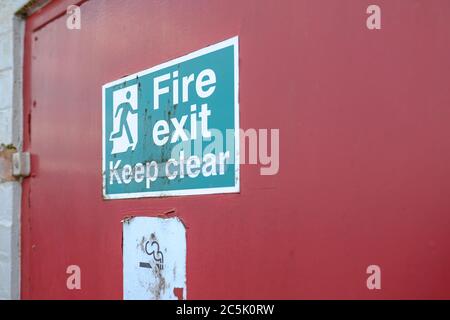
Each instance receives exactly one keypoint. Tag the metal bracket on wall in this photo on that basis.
(21, 164)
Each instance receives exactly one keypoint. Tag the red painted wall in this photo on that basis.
(364, 119)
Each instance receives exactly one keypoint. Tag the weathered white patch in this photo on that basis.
(154, 259)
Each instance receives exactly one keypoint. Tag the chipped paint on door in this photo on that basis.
(154, 259)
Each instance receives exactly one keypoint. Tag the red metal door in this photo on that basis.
(364, 154)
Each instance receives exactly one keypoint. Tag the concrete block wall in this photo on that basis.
(11, 57)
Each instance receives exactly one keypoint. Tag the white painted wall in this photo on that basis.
(11, 56)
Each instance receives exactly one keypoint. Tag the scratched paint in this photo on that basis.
(154, 259)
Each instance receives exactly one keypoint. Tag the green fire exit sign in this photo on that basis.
(174, 129)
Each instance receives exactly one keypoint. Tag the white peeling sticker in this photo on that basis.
(154, 259)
